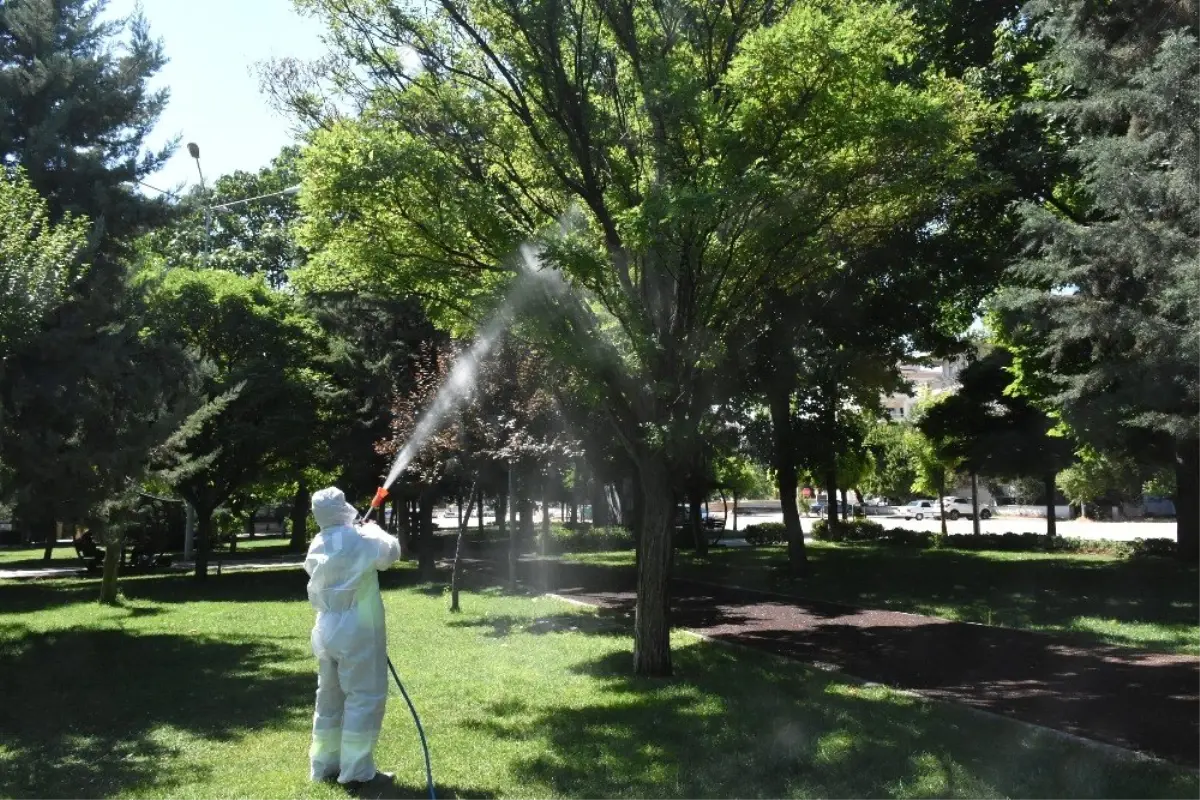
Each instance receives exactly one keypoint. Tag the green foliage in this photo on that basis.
(77, 109)
(742, 477)
(718, 178)
(38, 260)
(254, 404)
(848, 530)
(895, 448)
(867, 531)
(766, 533)
(85, 397)
(1096, 476)
(248, 233)
(986, 428)
(589, 539)
(1106, 312)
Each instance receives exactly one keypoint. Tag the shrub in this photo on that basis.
(871, 532)
(852, 530)
(585, 540)
(766, 533)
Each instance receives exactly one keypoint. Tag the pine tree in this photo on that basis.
(83, 393)
(75, 110)
(1108, 313)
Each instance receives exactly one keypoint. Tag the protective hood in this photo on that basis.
(330, 509)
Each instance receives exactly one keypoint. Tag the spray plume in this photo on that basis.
(461, 380)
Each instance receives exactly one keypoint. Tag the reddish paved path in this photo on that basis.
(1143, 701)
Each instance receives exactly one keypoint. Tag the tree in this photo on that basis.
(75, 110)
(254, 405)
(1105, 314)
(742, 478)
(987, 429)
(74, 113)
(894, 446)
(698, 151)
(38, 260)
(1097, 476)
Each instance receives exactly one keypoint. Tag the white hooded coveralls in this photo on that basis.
(348, 639)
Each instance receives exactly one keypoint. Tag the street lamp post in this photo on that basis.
(194, 152)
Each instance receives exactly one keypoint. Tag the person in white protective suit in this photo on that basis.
(348, 639)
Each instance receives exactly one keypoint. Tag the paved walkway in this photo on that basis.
(234, 565)
(1148, 702)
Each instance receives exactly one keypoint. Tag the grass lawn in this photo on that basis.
(205, 691)
(1149, 603)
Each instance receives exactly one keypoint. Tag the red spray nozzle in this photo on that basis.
(380, 496)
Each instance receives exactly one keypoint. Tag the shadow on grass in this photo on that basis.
(394, 790)
(728, 725)
(23, 597)
(609, 623)
(99, 712)
(985, 587)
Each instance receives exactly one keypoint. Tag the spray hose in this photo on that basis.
(381, 495)
(420, 730)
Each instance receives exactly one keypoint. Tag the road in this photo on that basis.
(1083, 529)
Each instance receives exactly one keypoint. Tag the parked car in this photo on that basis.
(1158, 506)
(821, 507)
(956, 507)
(918, 509)
(961, 507)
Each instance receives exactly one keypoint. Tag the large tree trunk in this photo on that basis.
(425, 554)
(299, 541)
(502, 513)
(735, 512)
(779, 404)
(975, 503)
(479, 519)
(204, 528)
(1187, 500)
(1051, 517)
(652, 627)
(112, 566)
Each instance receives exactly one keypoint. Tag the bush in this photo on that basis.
(766, 533)
(1140, 548)
(873, 532)
(585, 540)
(852, 530)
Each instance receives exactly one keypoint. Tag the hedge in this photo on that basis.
(872, 532)
(766, 533)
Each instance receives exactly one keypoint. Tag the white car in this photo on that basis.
(961, 507)
(956, 507)
(918, 509)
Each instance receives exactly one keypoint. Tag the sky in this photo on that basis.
(212, 47)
